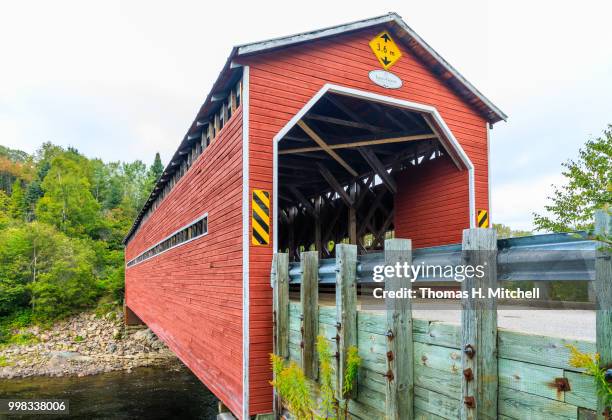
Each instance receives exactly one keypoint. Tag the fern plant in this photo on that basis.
(590, 363)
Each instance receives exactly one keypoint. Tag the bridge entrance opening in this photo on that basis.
(345, 166)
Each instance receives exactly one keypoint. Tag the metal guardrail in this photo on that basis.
(556, 256)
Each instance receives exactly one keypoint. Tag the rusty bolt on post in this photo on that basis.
(339, 325)
(468, 374)
(390, 355)
(562, 384)
(389, 375)
(469, 351)
(337, 355)
(301, 344)
(389, 334)
(470, 402)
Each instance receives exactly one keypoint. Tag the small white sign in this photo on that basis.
(385, 79)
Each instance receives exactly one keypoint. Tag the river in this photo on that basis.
(145, 393)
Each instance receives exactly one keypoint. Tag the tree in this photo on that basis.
(588, 187)
(5, 203)
(67, 202)
(18, 204)
(33, 193)
(45, 270)
(504, 231)
(156, 169)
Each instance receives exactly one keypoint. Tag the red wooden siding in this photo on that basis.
(430, 204)
(191, 296)
(281, 82)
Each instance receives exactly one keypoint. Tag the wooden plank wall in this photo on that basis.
(528, 366)
(191, 296)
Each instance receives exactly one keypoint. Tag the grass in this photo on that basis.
(4, 362)
(78, 339)
(23, 339)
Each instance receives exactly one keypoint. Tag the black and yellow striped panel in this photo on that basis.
(260, 217)
(483, 219)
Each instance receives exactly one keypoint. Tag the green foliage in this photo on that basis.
(15, 321)
(17, 204)
(4, 362)
(504, 231)
(353, 361)
(78, 339)
(67, 202)
(591, 364)
(62, 221)
(156, 169)
(46, 270)
(588, 187)
(292, 386)
(23, 339)
(328, 405)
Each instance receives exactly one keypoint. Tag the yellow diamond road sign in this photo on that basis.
(385, 49)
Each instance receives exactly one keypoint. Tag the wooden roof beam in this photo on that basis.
(346, 110)
(373, 142)
(303, 200)
(322, 145)
(370, 157)
(337, 187)
(345, 123)
(388, 115)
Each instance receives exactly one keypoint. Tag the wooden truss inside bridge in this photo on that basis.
(336, 172)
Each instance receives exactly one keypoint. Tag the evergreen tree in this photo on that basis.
(156, 169)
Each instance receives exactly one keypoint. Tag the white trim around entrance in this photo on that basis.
(463, 162)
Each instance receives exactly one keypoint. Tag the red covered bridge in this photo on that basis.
(303, 141)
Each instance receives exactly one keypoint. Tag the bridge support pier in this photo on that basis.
(130, 318)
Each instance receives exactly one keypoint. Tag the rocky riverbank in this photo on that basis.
(85, 344)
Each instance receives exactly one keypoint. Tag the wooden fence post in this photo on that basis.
(603, 291)
(280, 304)
(399, 391)
(346, 309)
(309, 302)
(479, 327)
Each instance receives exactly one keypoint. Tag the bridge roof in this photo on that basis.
(232, 71)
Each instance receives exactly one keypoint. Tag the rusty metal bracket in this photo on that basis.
(389, 334)
(389, 375)
(337, 355)
(562, 384)
(470, 351)
(470, 402)
(468, 374)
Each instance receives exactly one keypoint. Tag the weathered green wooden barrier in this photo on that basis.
(468, 371)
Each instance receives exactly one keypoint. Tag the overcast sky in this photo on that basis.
(121, 80)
